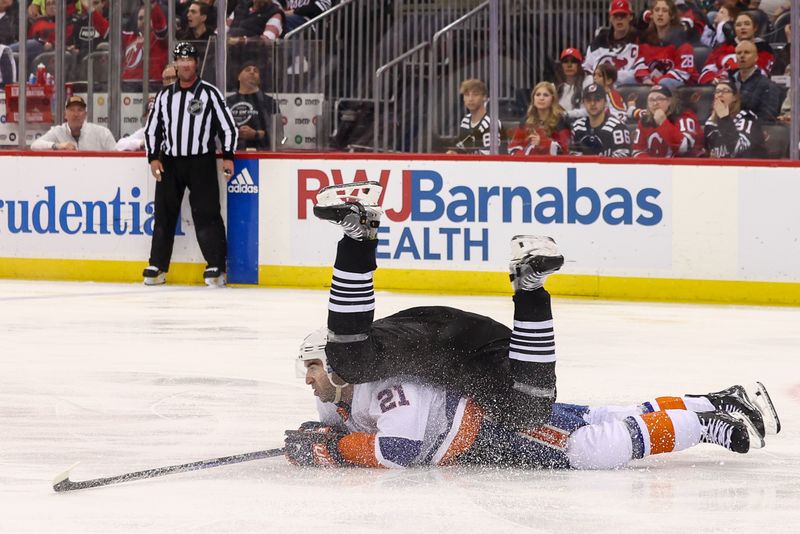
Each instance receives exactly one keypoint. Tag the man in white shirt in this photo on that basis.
(76, 133)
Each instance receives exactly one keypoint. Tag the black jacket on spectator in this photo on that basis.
(9, 27)
(247, 23)
(735, 137)
(759, 95)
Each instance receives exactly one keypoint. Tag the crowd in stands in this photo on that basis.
(683, 78)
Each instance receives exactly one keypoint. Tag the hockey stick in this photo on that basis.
(63, 483)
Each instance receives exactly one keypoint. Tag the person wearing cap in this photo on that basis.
(664, 131)
(665, 55)
(598, 133)
(76, 133)
(180, 142)
(253, 110)
(730, 131)
(569, 80)
(617, 45)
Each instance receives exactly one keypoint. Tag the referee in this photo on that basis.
(179, 137)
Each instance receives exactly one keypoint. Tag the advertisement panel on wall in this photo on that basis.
(71, 208)
(461, 216)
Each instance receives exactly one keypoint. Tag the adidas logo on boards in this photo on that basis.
(242, 183)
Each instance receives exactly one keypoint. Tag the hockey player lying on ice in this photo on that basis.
(490, 389)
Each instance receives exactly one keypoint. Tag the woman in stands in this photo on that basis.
(569, 79)
(722, 30)
(545, 130)
(723, 58)
(732, 132)
(667, 57)
(664, 130)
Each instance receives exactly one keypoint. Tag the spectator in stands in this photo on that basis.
(196, 28)
(722, 59)
(693, 18)
(664, 131)
(545, 130)
(757, 93)
(599, 134)
(133, 67)
(298, 12)
(136, 141)
(75, 133)
(605, 75)
(9, 25)
(252, 110)
(257, 20)
(474, 132)
(617, 45)
(569, 81)
(666, 56)
(730, 131)
(86, 35)
(38, 8)
(41, 33)
(182, 8)
(722, 30)
(8, 68)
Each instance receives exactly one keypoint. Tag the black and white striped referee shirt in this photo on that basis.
(184, 122)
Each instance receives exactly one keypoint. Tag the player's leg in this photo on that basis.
(532, 350)
(351, 302)
(614, 443)
(167, 209)
(210, 228)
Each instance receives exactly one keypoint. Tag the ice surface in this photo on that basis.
(125, 377)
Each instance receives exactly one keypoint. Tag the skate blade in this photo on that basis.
(762, 400)
(365, 193)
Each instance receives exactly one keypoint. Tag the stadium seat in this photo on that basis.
(99, 62)
(639, 91)
(777, 140)
(511, 112)
(762, 19)
(700, 98)
(778, 33)
(701, 54)
(354, 125)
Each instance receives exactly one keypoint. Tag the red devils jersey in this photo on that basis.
(133, 45)
(680, 135)
(723, 59)
(557, 143)
(667, 60)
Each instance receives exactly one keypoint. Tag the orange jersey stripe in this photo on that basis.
(670, 403)
(661, 430)
(358, 448)
(467, 432)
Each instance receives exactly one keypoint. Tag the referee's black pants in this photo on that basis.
(199, 174)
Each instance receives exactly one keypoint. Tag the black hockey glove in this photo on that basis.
(314, 446)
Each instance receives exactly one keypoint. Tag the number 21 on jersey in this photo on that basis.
(391, 398)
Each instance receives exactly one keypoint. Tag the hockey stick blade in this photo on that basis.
(62, 483)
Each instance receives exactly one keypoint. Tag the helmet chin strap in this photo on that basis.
(339, 387)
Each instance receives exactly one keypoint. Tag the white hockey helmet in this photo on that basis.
(312, 348)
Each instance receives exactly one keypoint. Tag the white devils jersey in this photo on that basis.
(413, 424)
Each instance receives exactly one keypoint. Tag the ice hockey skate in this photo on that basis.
(153, 276)
(725, 430)
(533, 257)
(762, 400)
(353, 206)
(735, 400)
(213, 277)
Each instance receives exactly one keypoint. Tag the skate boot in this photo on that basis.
(727, 430)
(354, 207)
(736, 400)
(153, 276)
(214, 277)
(762, 400)
(533, 257)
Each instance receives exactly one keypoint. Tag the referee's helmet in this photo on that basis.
(185, 49)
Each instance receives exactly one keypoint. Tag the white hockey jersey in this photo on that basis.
(405, 423)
